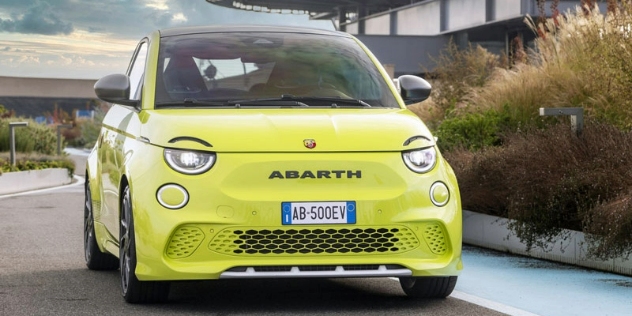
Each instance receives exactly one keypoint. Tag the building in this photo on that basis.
(39, 97)
(421, 28)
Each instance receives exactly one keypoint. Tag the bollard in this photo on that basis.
(12, 126)
(59, 127)
(576, 114)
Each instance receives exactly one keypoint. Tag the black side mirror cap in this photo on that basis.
(413, 89)
(114, 89)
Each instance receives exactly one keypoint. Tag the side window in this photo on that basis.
(137, 70)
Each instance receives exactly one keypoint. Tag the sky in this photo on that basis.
(88, 39)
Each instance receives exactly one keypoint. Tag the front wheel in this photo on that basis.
(428, 287)
(133, 290)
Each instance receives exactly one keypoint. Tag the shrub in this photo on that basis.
(582, 60)
(32, 138)
(85, 132)
(4, 113)
(459, 70)
(542, 176)
(481, 180)
(550, 179)
(609, 228)
(473, 131)
(456, 73)
(26, 162)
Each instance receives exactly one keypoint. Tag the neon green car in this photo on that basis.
(267, 152)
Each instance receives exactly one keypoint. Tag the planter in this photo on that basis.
(14, 182)
(491, 232)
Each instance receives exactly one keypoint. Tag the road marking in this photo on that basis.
(77, 152)
(489, 304)
(80, 181)
(499, 307)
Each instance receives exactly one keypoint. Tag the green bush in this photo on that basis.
(512, 163)
(35, 162)
(582, 60)
(472, 131)
(458, 71)
(550, 179)
(609, 228)
(35, 137)
(456, 74)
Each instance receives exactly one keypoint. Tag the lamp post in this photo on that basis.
(576, 114)
(12, 126)
(59, 127)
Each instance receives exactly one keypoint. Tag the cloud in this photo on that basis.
(179, 17)
(28, 60)
(95, 29)
(38, 19)
(98, 37)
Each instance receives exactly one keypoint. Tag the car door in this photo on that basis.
(115, 133)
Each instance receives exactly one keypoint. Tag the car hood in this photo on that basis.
(285, 130)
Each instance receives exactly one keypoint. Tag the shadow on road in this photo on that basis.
(93, 292)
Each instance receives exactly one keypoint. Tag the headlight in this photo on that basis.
(189, 162)
(420, 160)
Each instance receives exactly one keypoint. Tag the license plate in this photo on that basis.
(301, 213)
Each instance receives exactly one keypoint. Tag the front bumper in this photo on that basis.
(233, 228)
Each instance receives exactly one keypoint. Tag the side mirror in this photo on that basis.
(413, 89)
(114, 89)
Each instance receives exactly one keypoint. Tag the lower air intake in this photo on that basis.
(315, 241)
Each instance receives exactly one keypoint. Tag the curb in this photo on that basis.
(21, 181)
(491, 232)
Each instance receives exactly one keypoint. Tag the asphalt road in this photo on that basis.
(42, 272)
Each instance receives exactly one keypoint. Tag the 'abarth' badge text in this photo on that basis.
(316, 174)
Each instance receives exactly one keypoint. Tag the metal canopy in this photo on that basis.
(316, 8)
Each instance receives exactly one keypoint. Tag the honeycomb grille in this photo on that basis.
(434, 237)
(184, 242)
(355, 240)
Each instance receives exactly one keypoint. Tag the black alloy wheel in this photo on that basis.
(134, 290)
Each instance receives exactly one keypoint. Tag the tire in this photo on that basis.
(133, 290)
(95, 259)
(428, 287)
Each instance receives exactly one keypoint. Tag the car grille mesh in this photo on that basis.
(310, 241)
(434, 237)
(184, 242)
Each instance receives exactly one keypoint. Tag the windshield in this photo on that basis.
(241, 68)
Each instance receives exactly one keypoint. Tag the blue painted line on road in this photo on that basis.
(542, 287)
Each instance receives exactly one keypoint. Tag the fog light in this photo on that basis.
(172, 196)
(439, 194)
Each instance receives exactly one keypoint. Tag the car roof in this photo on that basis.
(247, 28)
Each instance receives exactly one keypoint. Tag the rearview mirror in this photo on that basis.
(413, 89)
(114, 89)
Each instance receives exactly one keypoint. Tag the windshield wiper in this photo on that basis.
(334, 102)
(337, 102)
(290, 100)
(275, 102)
(189, 102)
